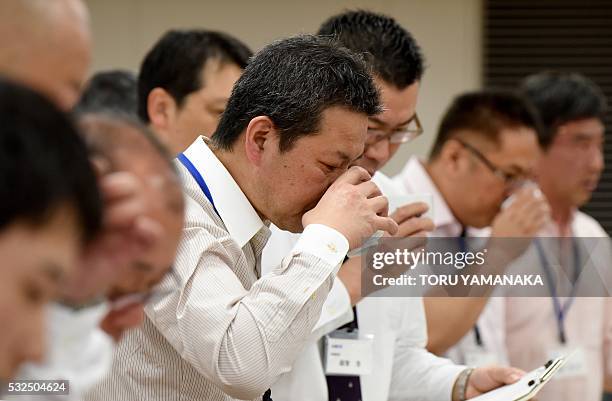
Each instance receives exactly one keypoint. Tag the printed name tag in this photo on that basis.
(478, 358)
(348, 354)
(576, 365)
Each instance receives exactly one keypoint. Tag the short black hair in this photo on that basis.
(176, 61)
(485, 113)
(561, 98)
(44, 163)
(292, 81)
(110, 91)
(392, 52)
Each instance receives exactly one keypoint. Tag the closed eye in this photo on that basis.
(329, 167)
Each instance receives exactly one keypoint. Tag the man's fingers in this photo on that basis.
(410, 210)
(505, 374)
(417, 240)
(527, 201)
(380, 205)
(123, 214)
(101, 166)
(386, 224)
(147, 231)
(369, 189)
(355, 175)
(415, 225)
(119, 185)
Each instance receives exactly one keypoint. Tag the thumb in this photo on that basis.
(505, 374)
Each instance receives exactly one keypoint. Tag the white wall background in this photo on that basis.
(449, 31)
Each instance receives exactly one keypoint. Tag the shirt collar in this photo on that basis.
(552, 229)
(238, 215)
(416, 179)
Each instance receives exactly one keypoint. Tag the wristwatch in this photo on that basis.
(461, 384)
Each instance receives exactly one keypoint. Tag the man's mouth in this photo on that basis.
(590, 184)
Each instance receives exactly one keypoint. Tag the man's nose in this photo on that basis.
(596, 162)
(378, 151)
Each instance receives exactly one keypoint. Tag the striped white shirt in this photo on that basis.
(224, 333)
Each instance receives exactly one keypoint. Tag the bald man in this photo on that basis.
(120, 144)
(46, 45)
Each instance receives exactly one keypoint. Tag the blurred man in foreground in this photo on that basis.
(50, 208)
(82, 336)
(46, 45)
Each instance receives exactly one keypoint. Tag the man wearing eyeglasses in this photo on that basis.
(486, 149)
(401, 367)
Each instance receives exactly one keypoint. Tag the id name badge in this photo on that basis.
(576, 365)
(348, 353)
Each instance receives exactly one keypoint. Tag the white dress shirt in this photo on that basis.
(415, 179)
(224, 333)
(403, 370)
(532, 332)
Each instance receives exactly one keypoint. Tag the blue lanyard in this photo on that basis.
(199, 179)
(462, 240)
(560, 310)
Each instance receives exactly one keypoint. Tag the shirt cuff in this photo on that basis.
(323, 242)
(446, 377)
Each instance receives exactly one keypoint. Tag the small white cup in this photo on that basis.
(396, 201)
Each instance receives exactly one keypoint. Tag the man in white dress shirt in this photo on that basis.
(572, 109)
(402, 369)
(485, 148)
(296, 120)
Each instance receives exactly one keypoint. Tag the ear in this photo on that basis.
(451, 155)
(161, 108)
(261, 134)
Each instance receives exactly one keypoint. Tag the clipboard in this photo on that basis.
(528, 386)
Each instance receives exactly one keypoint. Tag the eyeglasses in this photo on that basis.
(511, 180)
(397, 136)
